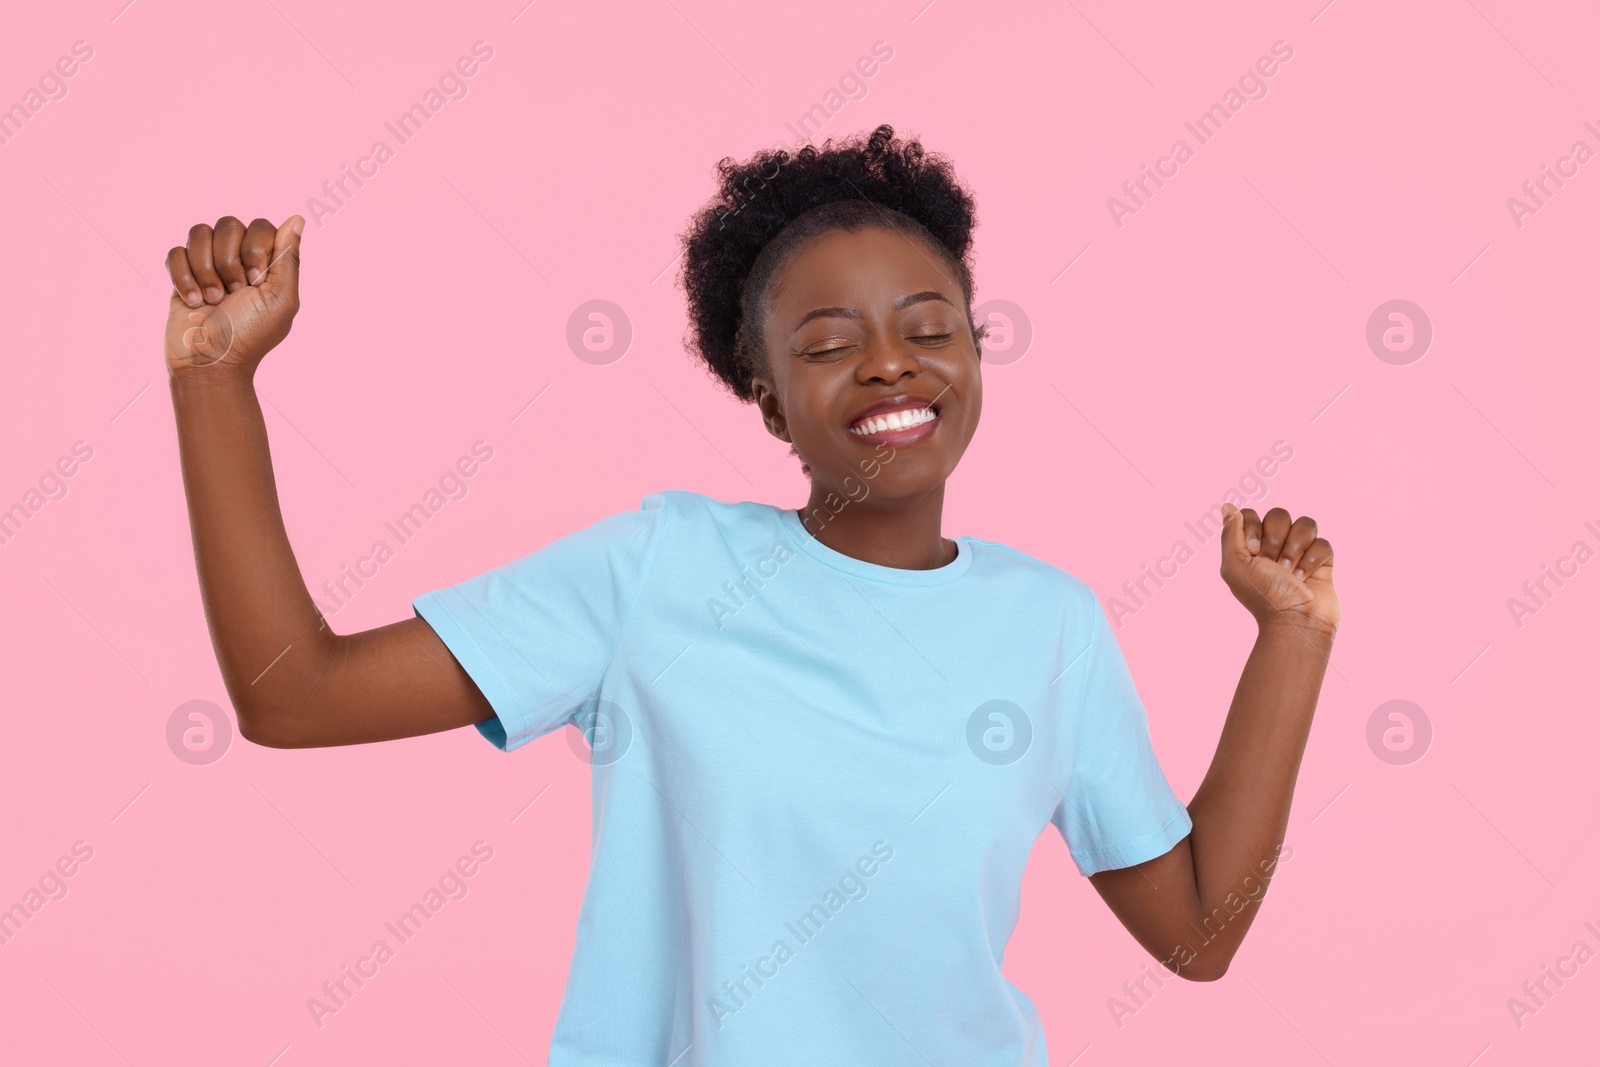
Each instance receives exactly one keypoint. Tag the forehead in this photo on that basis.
(865, 268)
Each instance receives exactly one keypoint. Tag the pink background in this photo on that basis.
(1228, 313)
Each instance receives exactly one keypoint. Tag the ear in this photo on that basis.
(766, 399)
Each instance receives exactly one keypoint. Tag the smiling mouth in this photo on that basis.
(898, 426)
(894, 422)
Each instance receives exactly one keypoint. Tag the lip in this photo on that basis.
(901, 402)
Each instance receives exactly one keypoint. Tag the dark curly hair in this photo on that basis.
(772, 202)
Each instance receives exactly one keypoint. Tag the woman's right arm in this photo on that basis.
(293, 682)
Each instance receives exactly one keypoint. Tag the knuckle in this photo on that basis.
(229, 222)
(199, 230)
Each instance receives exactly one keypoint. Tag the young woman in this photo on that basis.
(823, 740)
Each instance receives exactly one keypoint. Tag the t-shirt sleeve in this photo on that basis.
(537, 634)
(1117, 808)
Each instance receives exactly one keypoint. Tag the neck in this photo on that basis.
(901, 533)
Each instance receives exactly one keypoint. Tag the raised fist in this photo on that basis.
(1280, 569)
(235, 293)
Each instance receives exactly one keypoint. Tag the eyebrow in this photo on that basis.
(851, 313)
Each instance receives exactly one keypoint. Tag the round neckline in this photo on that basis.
(807, 542)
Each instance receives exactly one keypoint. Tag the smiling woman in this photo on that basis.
(830, 702)
(874, 181)
(801, 349)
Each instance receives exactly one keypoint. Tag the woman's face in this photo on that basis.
(872, 370)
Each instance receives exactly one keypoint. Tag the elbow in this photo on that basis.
(263, 726)
(289, 716)
(1208, 972)
(1207, 962)
(1205, 966)
(253, 730)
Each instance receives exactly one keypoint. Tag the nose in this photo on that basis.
(886, 359)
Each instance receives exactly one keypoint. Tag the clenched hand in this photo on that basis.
(235, 293)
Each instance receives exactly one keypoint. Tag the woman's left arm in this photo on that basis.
(1191, 907)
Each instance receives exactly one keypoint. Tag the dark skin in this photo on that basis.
(822, 372)
(236, 291)
(327, 689)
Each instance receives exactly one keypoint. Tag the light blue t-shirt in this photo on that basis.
(816, 780)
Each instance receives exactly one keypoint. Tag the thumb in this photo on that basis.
(282, 280)
(1233, 539)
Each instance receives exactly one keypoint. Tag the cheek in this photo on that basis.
(967, 383)
(799, 420)
(810, 399)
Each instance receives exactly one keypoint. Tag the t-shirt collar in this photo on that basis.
(797, 533)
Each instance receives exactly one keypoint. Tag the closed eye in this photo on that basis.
(936, 337)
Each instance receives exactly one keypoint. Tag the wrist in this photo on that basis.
(1318, 632)
(192, 379)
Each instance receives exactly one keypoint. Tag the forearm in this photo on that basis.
(1241, 810)
(269, 638)
(1192, 906)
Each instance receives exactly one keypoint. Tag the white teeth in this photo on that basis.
(894, 420)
